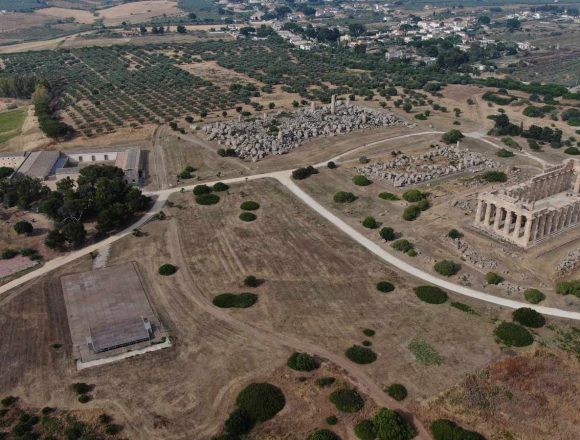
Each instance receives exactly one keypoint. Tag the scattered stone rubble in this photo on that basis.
(408, 170)
(471, 255)
(569, 262)
(276, 135)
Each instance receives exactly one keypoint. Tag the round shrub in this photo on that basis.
(385, 286)
(572, 151)
(534, 296)
(387, 233)
(493, 278)
(84, 398)
(528, 317)
(365, 430)
(167, 269)
(431, 294)
(447, 430)
(236, 301)
(23, 227)
(413, 195)
(446, 267)
(239, 422)
(81, 387)
(220, 186)
(323, 434)
(388, 196)
(201, 189)
(454, 233)
(332, 420)
(113, 429)
(513, 334)
(361, 180)
(251, 281)
(248, 216)
(331, 165)
(361, 355)
(423, 205)
(261, 401)
(249, 205)
(390, 425)
(347, 400)
(368, 332)
(370, 223)
(367, 343)
(207, 199)
(301, 362)
(402, 245)
(397, 392)
(8, 254)
(411, 213)
(411, 253)
(344, 197)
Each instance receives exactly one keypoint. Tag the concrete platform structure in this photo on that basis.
(109, 313)
(531, 212)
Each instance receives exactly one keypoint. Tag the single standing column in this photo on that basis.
(528, 230)
(508, 222)
(497, 218)
(549, 218)
(487, 215)
(478, 212)
(534, 233)
(541, 222)
(577, 183)
(518, 226)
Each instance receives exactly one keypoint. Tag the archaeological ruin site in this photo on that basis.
(528, 213)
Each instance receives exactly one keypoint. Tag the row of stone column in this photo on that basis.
(550, 184)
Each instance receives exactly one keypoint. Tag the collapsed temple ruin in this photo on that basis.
(527, 213)
(279, 134)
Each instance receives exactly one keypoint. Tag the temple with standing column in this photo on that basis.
(531, 212)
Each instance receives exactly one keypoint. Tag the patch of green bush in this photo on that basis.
(261, 401)
(423, 205)
(385, 286)
(528, 317)
(81, 387)
(235, 300)
(331, 165)
(220, 187)
(387, 233)
(201, 189)
(249, 205)
(370, 223)
(248, 216)
(573, 151)
(239, 422)
(425, 353)
(167, 269)
(463, 307)
(302, 362)
(534, 296)
(431, 294)
(494, 176)
(390, 425)
(413, 195)
(454, 233)
(513, 334)
(504, 153)
(344, 197)
(402, 245)
(332, 420)
(323, 382)
(23, 227)
(452, 136)
(361, 180)
(397, 392)
(8, 401)
(443, 429)
(303, 173)
(347, 400)
(84, 398)
(388, 196)
(570, 287)
(365, 430)
(207, 199)
(446, 268)
(493, 278)
(361, 355)
(368, 332)
(8, 254)
(411, 213)
(251, 281)
(323, 434)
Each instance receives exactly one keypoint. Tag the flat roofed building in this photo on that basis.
(109, 312)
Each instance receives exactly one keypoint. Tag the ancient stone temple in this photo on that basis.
(533, 211)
